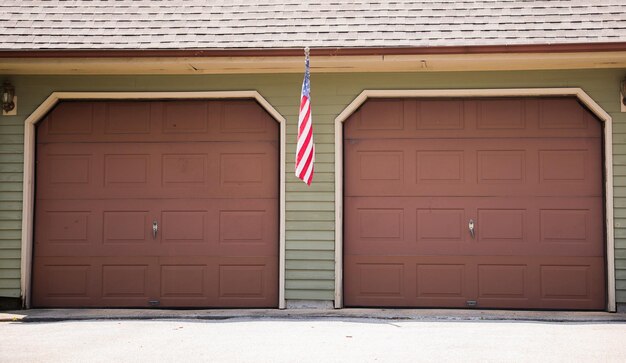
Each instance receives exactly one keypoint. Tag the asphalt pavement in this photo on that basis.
(321, 339)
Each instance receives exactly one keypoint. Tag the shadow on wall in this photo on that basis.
(10, 303)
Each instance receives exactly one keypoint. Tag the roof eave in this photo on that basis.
(330, 51)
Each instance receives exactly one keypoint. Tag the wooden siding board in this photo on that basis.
(10, 244)
(11, 253)
(320, 186)
(310, 265)
(10, 264)
(304, 196)
(17, 167)
(308, 275)
(310, 284)
(11, 196)
(310, 255)
(10, 225)
(11, 235)
(316, 235)
(309, 245)
(297, 294)
(11, 159)
(620, 235)
(309, 210)
(311, 225)
(10, 215)
(10, 177)
(11, 129)
(11, 292)
(310, 216)
(619, 202)
(9, 274)
(11, 148)
(319, 177)
(312, 206)
(8, 205)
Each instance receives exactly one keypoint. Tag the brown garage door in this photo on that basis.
(203, 173)
(526, 172)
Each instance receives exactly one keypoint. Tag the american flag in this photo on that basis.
(305, 151)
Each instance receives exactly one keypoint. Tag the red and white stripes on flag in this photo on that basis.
(305, 150)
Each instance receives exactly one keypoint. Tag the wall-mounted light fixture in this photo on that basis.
(7, 97)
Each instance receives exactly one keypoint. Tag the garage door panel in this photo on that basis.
(379, 115)
(503, 281)
(72, 230)
(379, 225)
(250, 172)
(69, 119)
(540, 226)
(157, 121)
(98, 282)
(376, 282)
(475, 118)
(64, 279)
(223, 281)
(185, 282)
(94, 227)
(246, 228)
(185, 227)
(163, 282)
(441, 282)
(531, 167)
(462, 281)
(564, 283)
(564, 113)
(126, 281)
(527, 175)
(403, 281)
(158, 170)
(573, 283)
(237, 120)
(497, 115)
(124, 119)
(248, 280)
(213, 227)
(503, 226)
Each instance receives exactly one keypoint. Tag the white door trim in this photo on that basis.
(29, 167)
(518, 92)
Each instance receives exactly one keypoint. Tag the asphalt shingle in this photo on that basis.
(219, 24)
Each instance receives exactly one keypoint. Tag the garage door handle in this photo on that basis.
(471, 228)
(155, 228)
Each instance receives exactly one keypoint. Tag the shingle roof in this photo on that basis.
(225, 24)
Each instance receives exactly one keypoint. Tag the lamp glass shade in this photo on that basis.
(8, 92)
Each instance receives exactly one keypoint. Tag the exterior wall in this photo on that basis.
(309, 210)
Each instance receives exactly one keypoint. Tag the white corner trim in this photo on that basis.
(338, 214)
(29, 167)
(505, 92)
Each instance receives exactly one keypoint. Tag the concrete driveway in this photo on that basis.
(311, 340)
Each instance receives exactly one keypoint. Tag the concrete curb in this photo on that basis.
(56, 315)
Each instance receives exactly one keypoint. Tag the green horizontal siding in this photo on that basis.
(11, 169)
(309, 210)
(310, 275)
